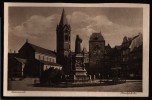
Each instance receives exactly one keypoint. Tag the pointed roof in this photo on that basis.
(63, 20)
(108, 49)
(125, 39)
(108, 46)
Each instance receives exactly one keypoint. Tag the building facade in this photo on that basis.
(136, 57)
(116, 65)
(96, 53)
(108, 61)
(132, 57)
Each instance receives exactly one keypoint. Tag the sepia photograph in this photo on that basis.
(90, 50)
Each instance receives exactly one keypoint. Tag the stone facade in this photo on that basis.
(96, 53)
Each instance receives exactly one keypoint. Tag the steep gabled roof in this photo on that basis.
(108, 49)
(136, 42)
(108, 46)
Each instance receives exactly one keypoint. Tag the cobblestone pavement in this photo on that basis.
(27, 85)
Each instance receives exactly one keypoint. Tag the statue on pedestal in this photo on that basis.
(80, 73)
(78, 44)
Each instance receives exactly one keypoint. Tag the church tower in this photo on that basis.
(63, 32)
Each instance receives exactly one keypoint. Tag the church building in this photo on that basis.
(31, 61)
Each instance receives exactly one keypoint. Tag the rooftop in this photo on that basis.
(96, 37)
(136, 42)
(40, 49)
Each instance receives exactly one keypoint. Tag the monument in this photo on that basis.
(79, 72)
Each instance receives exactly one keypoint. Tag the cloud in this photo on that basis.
(113, 33)
(81, 23)
(35, 26)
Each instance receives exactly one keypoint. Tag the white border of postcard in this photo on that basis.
(146, 26)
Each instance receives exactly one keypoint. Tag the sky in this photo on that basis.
(38, 25)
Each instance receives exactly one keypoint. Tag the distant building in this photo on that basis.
(31, 60)
(116, 65)
(96, 53)
(136, 57)
(132, 56)
(123, 61)
(125, 51)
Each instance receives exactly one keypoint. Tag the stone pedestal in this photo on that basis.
(79, 73)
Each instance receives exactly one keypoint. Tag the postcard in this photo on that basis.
(76, 50)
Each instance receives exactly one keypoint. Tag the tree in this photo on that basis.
(51, 75)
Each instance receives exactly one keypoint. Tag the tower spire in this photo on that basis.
(63, 20)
